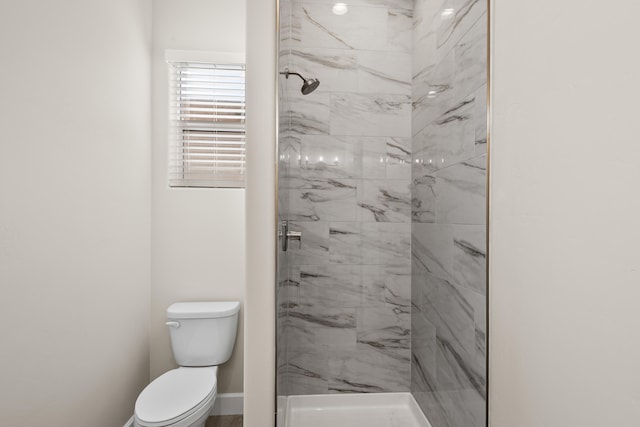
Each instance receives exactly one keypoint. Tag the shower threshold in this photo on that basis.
(354, 410)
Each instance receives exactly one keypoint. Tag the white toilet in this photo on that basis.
(202, 337)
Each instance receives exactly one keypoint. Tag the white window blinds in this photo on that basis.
(207, 125)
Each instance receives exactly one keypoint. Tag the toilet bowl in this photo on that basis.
(202, 337)
(182, 397)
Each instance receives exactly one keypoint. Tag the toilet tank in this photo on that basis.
(203, 333)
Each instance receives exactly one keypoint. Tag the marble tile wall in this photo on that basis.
(448, 211)
(383, 170)
(345, 183)
(284, 155)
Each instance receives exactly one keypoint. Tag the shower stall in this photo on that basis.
(382, 207)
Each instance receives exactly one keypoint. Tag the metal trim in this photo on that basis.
(276, 77)
(488, 211)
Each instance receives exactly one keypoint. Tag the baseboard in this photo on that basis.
(228, 404)
(225, 404)
(129, 423)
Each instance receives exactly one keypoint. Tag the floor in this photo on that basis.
(352, 410)
(225, 421)
(355, 410)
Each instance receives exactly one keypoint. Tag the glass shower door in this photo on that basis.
(382, 170)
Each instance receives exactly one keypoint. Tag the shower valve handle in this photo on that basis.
(285, 235)
(295, 235)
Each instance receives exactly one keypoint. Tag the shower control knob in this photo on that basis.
(295, 235)
(285, 235)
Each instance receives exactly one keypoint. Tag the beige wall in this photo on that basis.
(74, 211)
(259, 380)
(565, 266)
(198, 236)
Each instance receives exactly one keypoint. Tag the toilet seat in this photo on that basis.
(175, 395)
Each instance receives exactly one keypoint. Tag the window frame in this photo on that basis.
(175, 137)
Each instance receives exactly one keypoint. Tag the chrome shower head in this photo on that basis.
(308, 85)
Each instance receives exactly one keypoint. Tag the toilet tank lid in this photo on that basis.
(202, 309)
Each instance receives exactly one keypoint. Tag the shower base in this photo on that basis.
(354, 410)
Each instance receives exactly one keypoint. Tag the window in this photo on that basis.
(207, 123)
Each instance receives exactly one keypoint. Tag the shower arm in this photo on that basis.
(287, 73)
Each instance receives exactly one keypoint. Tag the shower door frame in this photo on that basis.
(276, 73)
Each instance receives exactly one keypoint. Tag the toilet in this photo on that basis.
(202, 337)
